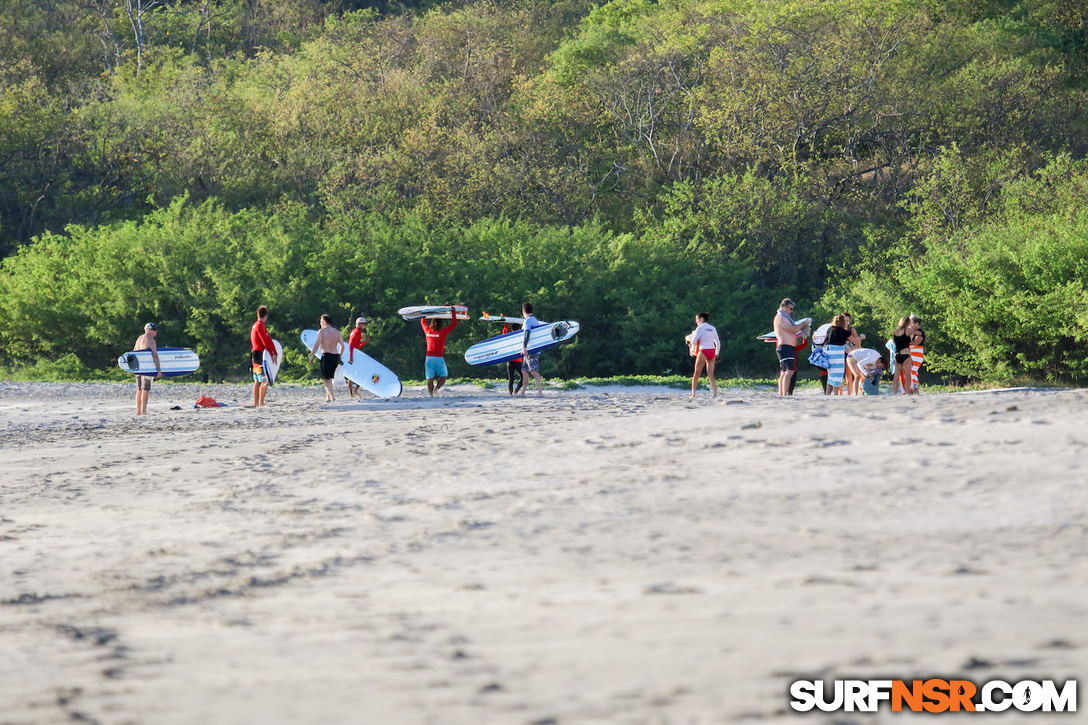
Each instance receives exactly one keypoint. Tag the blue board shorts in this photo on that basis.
(435, 367)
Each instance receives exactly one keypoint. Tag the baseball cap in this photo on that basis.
(360, 320)
(151, 326)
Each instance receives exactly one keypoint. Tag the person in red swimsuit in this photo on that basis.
(358, 339)
(259, 342)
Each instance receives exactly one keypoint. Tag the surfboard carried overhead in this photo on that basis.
(433, 312)
(485, 317)
(363, 370)
(175, 361)
(507, 347)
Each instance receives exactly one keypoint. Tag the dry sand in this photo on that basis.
(610, 555)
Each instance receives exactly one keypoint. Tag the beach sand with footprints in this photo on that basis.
(599, 555)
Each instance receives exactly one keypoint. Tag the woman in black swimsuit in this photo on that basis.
(904, 366)
(839, 334)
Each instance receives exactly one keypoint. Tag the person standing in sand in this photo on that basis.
(331, 344)
(514, 381)
(357, 340)
(785, 333)
(434, 364)
(259, 342)
(531, 360)
(704, 345)
(146, 341)
(904, 366)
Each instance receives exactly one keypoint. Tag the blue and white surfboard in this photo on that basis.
(507, 347)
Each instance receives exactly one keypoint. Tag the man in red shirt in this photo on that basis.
(259, 341)
(358, 338)
(434, 365)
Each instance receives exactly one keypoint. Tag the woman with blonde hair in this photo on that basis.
(839, 334)
(904, 366)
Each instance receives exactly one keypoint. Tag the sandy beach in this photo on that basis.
(602, 555)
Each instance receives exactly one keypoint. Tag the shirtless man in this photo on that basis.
(146, 341)
(785, 333)
(331, 344)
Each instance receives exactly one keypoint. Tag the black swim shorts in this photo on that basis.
(329, 362)
(787, 357)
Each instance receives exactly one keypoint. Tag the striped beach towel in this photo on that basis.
(917, 355)
(836, 364)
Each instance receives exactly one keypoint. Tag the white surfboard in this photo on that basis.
(272, 368)
(433, 312)
(502, 318)
(820, 336)
(771, 337)
(507, 347)
(174, 361)
(309, 337)
(363, 370)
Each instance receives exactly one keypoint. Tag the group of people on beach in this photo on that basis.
(862, 367)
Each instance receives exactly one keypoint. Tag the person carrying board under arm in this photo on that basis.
(146, 341)
(531, 361)
(259, 341)
(331, 344)
(434, 365)
(357, 340)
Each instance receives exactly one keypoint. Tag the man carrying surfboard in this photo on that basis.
(146, 341)
(259, 342)
(331, 343)
(434, 364)
(531, 360)
(358, 339)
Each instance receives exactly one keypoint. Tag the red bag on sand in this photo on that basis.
(205, 402)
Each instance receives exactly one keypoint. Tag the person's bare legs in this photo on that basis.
(256, 394)
(713, 381)
(524, 382)
(141, 401)
(439, 383)
(328, 389)
(263, 393)
(700, 363)
(430, 386)
(784, 382)
(352, 387)
(906, 370)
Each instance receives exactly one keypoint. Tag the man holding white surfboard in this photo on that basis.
(260, 342)
(331, 344)
(530, 360)
(146, 341)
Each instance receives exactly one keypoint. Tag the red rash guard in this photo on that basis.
(355, 339)
(259, 338)
(436, 339)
